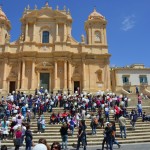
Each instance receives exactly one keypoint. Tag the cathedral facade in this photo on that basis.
(46, 54)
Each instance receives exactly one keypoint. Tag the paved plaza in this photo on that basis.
(136, 146)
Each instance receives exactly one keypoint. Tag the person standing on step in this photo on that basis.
(108, 138)
(122, 125)
(39, 125)
(114, 141)
(72, 126)
(24, 111)
(139, 108)
(137, 90)
(4, 127)
(82, 135)
(18, 138)
(28, 139)
(43, 124)
(64, 135)
(134, 117)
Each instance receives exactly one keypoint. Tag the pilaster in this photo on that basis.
(65, 76)
(5, 65)
(23, 75)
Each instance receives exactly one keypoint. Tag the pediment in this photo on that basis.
(45, 13)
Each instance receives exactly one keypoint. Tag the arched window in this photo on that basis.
(97, 36)
(45, 37)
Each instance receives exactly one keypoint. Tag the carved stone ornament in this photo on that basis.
(45, 48)
(12, 76)
(44, 66)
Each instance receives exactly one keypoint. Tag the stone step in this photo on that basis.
(129, 132)
(48, 126)
(89, 129)
(89, 135)
(91, 141)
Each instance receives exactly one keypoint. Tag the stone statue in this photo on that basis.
(21, 37)
(7, 38)
(28, 7)
(99, 76)
(68, 38)
(82, 38)
(35, 7)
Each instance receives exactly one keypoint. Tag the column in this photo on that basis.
(5, 74)
(65, 33)
(26, 36)
(23, 74)
(65, 75)
(55, 84)
(91, 37)
(105, 36)
(69, 77)
(57, 32)
(19, 73)
(33, 75)
(102, 36)
(33, 32)
(84, 76)
(38, 76)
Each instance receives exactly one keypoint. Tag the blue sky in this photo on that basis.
(128, 28)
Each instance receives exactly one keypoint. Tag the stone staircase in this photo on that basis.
(139, 135)
(134, 101)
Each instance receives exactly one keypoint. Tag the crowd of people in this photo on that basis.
(17, 109)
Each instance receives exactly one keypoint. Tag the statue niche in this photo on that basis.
(99, 76)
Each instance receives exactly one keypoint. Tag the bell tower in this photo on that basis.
(4, 28)
(95, 28)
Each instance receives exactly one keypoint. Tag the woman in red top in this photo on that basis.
(18, 141)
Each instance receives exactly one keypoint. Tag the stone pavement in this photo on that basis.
(136, 146)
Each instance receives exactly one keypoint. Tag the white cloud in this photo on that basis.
(128, 23)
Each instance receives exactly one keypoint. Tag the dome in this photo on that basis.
(95, 15)
(2, 15)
